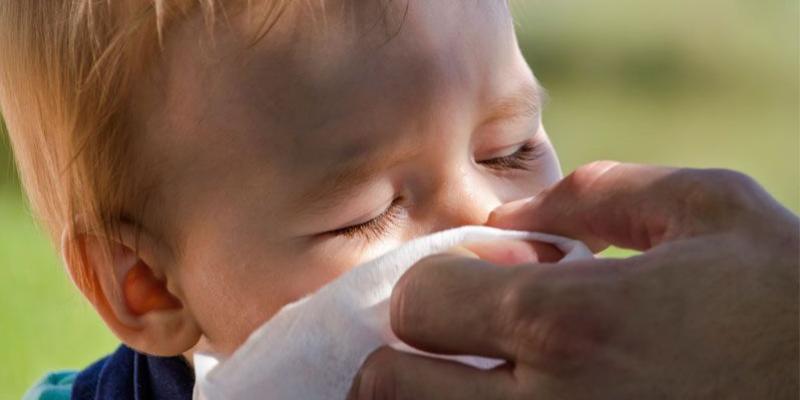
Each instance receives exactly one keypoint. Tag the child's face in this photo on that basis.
(281, 166)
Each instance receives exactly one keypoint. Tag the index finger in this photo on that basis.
(632, 206)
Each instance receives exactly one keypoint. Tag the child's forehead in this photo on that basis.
(314, 88)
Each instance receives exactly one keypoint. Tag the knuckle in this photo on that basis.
(543, 339)
(554, 323)
(729, 182)
(521, 303)
(718, 194)
(559, 341)
(517, 297)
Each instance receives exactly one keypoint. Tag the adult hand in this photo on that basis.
(708, 310)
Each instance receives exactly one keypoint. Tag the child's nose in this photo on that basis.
(461, 203)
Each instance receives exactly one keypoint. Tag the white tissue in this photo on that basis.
(313, 348)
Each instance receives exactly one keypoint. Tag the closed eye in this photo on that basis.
(373, 229)
(522, 159)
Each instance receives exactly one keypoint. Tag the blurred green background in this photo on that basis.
(712, 83)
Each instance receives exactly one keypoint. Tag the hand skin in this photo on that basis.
(709, 310)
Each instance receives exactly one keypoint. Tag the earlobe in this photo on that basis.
(130, 292)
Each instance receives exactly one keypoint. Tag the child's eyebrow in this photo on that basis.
(524, 102)
(361, 166)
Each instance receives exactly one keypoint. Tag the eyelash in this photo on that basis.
(376, 227)
(520, 160)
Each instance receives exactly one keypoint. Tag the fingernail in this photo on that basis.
(462, 252)
(510, 208)
(505, 252)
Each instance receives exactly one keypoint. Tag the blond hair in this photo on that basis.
(66, 75)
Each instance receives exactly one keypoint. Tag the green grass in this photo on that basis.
(708, 84)
(44, 323)
(702, 84)
(756, 135)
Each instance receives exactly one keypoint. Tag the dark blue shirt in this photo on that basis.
(129, 375)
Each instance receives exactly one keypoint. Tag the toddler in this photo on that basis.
(203, 163)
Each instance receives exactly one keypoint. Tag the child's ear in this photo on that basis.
(132, 291)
